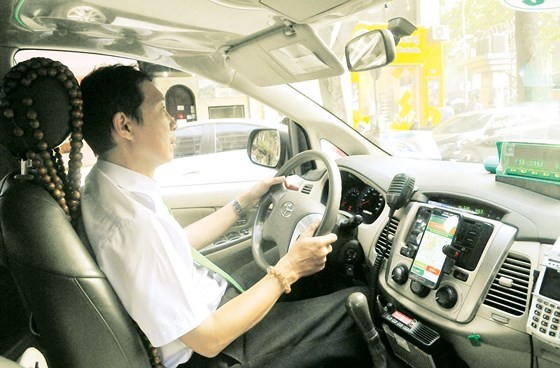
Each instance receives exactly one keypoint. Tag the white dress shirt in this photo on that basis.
(146, 257)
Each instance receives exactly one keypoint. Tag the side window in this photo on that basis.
(188, 140)
(197, 104)
(232, 136)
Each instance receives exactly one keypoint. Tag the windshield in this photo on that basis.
(467, 73)
(472, 73)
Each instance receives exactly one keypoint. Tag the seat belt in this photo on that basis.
(202, 260)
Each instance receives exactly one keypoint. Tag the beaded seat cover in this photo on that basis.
(41, 105)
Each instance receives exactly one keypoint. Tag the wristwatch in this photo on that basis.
(240, 211)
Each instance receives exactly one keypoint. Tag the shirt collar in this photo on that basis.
(130, 180)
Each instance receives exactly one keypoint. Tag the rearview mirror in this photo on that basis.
(370, 50)
(266, 148)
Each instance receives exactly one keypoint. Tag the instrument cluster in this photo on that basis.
(358, 198)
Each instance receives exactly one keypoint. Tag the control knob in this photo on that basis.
(419, 289)
(400, 274)
(446, 296)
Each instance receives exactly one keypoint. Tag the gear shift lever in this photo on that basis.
(357, 307)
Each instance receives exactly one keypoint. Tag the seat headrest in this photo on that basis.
(39, 104)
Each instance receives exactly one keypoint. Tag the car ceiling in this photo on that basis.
(175, 33)
(29, 24)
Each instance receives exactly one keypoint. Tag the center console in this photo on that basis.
(441, 258)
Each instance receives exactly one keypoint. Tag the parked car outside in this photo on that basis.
(417, 144)
(472, 136)
(215, 135)
(212, 151)
(211, 168)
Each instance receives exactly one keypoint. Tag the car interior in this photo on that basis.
(460, 259)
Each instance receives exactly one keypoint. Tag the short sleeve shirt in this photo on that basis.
(146, 257)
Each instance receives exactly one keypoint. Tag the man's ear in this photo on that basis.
(122, 126)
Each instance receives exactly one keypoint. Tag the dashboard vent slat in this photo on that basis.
(385, 241)
(515, 271)
(307, 188)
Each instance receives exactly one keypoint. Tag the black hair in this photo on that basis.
(106, 91)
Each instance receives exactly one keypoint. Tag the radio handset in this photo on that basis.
(398, 195)
(400, 191)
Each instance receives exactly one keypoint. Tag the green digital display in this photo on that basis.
(529, 160)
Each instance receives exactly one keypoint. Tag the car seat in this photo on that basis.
(74, 312)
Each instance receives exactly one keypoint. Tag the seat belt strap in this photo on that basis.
(202, 260)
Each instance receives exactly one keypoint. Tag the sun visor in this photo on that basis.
(288, 54)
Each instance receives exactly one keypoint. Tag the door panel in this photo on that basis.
(192, 202)
(186, 216)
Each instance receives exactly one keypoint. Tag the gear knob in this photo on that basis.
(357, 307)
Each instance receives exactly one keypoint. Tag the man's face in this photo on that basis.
(154, 138)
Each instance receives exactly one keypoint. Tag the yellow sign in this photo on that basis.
(409, 92)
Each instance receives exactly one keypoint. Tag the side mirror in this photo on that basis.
(370, 50)
(267, 147)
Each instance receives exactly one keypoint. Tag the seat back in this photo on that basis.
(77, 317)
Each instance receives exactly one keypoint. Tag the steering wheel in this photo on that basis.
(283, 214)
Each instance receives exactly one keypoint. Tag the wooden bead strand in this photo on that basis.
(48, 165)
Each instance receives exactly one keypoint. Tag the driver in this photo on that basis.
(186, 310)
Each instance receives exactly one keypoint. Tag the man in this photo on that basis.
(146, 255)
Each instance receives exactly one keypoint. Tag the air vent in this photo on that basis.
(385, 241)
(510, 289)
(307, 188)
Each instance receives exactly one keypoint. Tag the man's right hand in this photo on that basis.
(307, 256)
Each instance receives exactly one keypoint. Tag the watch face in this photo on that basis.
(237, 208)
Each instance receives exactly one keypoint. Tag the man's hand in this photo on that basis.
(307, 256)
(208, 229)
(252, 197)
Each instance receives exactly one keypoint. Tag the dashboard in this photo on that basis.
(462, 256)
(358, 198)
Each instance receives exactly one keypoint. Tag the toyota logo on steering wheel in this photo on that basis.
(287, 209)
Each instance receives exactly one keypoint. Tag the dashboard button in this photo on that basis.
(460, 275)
